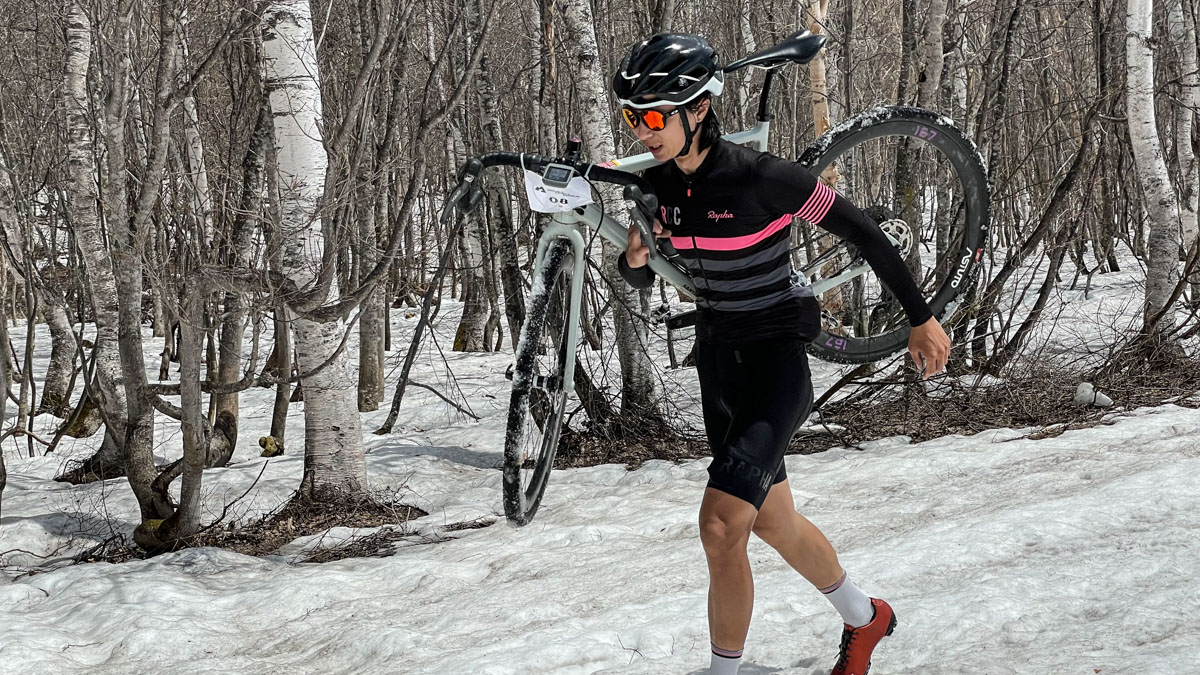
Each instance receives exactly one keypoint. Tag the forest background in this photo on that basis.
(253, 182)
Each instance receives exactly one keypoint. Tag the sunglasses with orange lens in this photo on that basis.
(653, 119)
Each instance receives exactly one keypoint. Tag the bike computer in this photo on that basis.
(558, 175)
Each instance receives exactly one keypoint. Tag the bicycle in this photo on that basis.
(860, 320)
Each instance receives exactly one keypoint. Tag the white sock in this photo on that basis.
(854, 605)
(724, 661)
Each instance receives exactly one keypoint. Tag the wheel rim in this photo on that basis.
(942, 208)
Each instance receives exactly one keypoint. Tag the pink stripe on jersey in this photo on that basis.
(813, 211)
(732, 243)
(818, 204)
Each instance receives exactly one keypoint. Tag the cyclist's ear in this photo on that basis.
(701, 109)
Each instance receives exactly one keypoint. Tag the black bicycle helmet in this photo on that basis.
(668, 68)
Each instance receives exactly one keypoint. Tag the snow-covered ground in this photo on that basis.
(1000, 554)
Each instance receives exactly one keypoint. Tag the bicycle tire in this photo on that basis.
(961, 262)
(535, 411)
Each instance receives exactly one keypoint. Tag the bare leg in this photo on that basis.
(801, 544)
(725, 523)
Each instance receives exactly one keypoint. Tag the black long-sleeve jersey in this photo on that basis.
(730, 223)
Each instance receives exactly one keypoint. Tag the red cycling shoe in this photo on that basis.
(858, 643)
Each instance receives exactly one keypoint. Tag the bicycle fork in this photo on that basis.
(560, 230)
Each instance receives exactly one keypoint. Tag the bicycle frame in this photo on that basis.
(567, 226)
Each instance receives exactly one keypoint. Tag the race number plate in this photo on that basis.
(549, 199)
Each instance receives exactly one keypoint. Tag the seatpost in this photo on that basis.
(763, 114)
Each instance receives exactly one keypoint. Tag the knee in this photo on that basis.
(721, 537)
(775, 526)
(770, 531)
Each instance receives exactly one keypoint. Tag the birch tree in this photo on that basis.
(4, 377)
(333, 450)
(7, 221)
(56, 390)
(238, 248)
(745, 110)
(929, 43)
(638, 400)
(469, 337)
(818, 13)
(505, 236)
(1161, 202)
(372, 208)
(83, 213)
(1181, 19)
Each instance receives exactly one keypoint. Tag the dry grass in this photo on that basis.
(577, 450)
(1041, 396)
(304, 516)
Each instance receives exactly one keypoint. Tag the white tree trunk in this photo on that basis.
(1162, 206)
(637, 377)
(504, 235)
(85, 220)
(187, 518)
(374, 317)
(3, 377)
(1182, 20)
(666, 16)
(56, 390)
(7, 223)
(469, 337)
(547, 122)
(929, 46)
(333, 449)
(373, 204)
(197, 173)
(748, 45)
(818, 13)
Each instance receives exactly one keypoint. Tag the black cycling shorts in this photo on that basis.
(754, 397)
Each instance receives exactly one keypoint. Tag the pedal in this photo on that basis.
(682, 320)
(550, 383)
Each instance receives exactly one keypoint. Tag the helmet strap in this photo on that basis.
(688, 132)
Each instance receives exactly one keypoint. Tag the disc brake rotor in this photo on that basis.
(900, 233)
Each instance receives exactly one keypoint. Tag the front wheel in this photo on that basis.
(535, 411)
(925, 184)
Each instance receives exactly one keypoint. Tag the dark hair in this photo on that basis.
(710, 128)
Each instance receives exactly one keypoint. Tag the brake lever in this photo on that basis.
(642, 215)
(647, 203)
(469, 193)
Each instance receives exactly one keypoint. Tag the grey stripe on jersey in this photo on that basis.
(744, 284)
(753, 303)
(779, 250)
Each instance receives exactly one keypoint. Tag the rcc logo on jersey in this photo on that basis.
(670, 215)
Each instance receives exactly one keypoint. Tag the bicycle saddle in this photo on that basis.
(799, 47)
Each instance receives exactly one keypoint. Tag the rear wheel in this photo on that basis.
(925, 184)
(535, 412)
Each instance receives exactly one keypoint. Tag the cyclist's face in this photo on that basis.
(666, 143)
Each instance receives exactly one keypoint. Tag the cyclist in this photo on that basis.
(726, 209)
